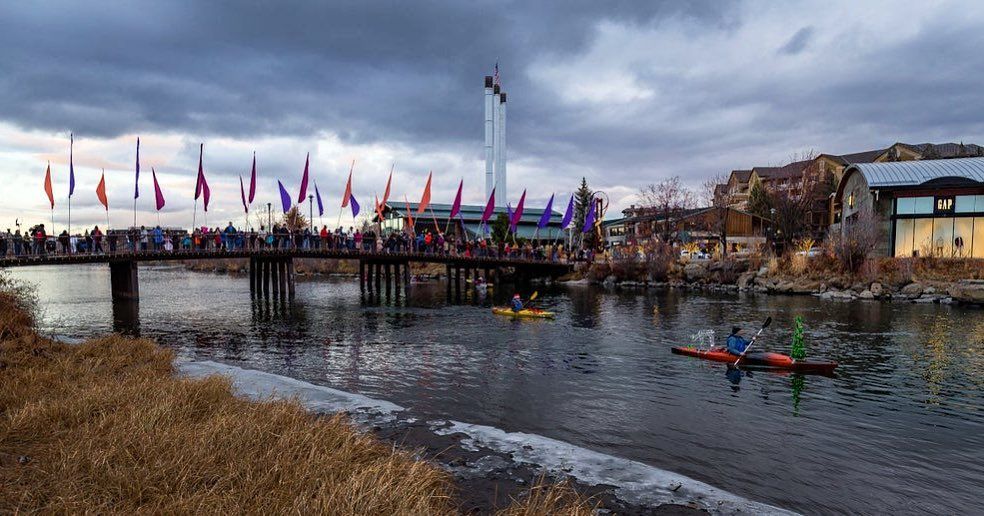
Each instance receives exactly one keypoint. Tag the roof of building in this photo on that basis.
(741, 175)
(857, 157)
(945, 150)
(792, 170)
(912, 173)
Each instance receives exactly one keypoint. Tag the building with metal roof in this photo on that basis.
(469, 220)
(923, 207)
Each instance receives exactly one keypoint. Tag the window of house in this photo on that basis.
(850, 201)
(965, 203)
(978, 237)
(905, 206)
(943, 237)
(963, 237)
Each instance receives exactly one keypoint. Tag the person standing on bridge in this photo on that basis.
(230, 232)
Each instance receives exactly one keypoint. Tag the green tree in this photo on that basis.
(500, 228)
(759, 202)
(582, 201)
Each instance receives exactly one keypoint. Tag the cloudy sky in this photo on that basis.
(622, 93)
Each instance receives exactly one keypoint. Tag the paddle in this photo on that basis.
(529, 303)
(765, 325)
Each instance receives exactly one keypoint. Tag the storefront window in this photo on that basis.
(905, 206)
(922, 237)
(963, 237)
(965, 203)
(943, 237)
(979, 237)
(903, 237)
(922, 205)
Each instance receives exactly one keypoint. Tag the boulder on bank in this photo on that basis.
(745, 280)
(913, 290)
(968, 291)
(694, 271)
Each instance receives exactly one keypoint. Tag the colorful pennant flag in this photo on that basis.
(317, 195)
(201, 171)
(569, 214)
(547, 213)
(386, 194)
(348, 187)
(425, 199)
(252, 181)
(304, 180)
(355, 206)
(206, 193)
(71, 165)
(456, 207)
(379, 210)
(159, 195)
(101, 191)
(47, 186)
(489, 208)
(242, 193)
(509, 214)
(589, 219)
(409, 213)
(518, 214)
(136, 179)
(284, 197)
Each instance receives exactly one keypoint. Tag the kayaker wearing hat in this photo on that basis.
(517, 303)
(736, 343)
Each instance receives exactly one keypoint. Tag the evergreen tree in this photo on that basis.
(759, 202)
(582, 199)
(500, 228)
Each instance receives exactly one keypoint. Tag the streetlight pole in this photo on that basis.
(311, 211)
(269, 217)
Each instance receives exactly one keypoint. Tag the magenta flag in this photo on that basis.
(201, 173)
(252, 181)
(489, 208)
(158, 194)
(518, 212)
(71, 164)
(304, 180)
(456, 207)
(242, 193)
(284, 196)
(206, 193)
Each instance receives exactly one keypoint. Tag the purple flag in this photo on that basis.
(589, 219)
(158, 194)
(317, 195)
(71, 165)
(489, 208)
(284, 197)
(242, 193)
(201, 171)
(136, 178)
(509, 215)
(518, 214)
(355, 206)
(206, 193)
(547, 213)
(304, 180)
(252, 181)
(456, 207)
(569, 214)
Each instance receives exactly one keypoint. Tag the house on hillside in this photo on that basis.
(734, 193)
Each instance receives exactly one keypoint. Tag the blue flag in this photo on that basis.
(136, 180)
(509, 214)
(568, 215)
(321, 207)
(355, 206)
(284, 196)
(589, 219)
(71, 165)
(547, 212)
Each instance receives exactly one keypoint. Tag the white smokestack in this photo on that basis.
(489, 137)
(500, 170)
(496, 144)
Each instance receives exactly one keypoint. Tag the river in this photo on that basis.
(899, 428)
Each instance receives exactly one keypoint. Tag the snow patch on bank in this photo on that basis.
(635, 482)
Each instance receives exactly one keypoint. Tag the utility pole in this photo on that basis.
(269, 217)
(311, 211)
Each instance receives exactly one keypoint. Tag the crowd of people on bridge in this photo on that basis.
(36, 241)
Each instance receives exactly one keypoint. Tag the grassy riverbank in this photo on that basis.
(106, 426)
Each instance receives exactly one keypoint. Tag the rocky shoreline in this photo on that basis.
(701, 276)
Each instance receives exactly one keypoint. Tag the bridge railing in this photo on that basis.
(229, 244)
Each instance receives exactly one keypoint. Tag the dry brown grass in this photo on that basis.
(551, 498)
(106, 427)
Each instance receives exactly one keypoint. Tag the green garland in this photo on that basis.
(798, 351)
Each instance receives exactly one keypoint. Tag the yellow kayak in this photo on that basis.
(534, 313)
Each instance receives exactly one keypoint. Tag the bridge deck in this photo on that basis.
(328, 254)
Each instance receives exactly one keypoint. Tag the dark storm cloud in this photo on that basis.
(798, 42)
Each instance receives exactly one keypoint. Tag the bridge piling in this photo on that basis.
(378, 277)
(123, 280)
(275, 277)
(389, 278)
(290, 278)
(263, 267)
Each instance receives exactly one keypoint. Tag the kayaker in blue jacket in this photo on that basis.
(517, 303)
(736, 343)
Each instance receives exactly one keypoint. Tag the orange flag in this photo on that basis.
(101, 191)
(386, 194)
(426, 198)
(409, 213)
(379, 209)
(348, 187)
(47, 186)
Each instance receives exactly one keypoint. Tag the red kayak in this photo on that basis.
(762, 359)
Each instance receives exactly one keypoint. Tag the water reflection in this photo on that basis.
(126, 317)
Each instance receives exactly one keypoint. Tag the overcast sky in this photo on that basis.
(622, 93)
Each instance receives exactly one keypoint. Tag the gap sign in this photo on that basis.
(944, 205)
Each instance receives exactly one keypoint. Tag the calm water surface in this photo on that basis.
(899, 429)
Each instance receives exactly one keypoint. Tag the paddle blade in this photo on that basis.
(535, 293)
(767, 322)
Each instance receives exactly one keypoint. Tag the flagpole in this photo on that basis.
(69, 215)
(194, 216)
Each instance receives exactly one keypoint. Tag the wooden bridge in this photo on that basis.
(271, 271)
